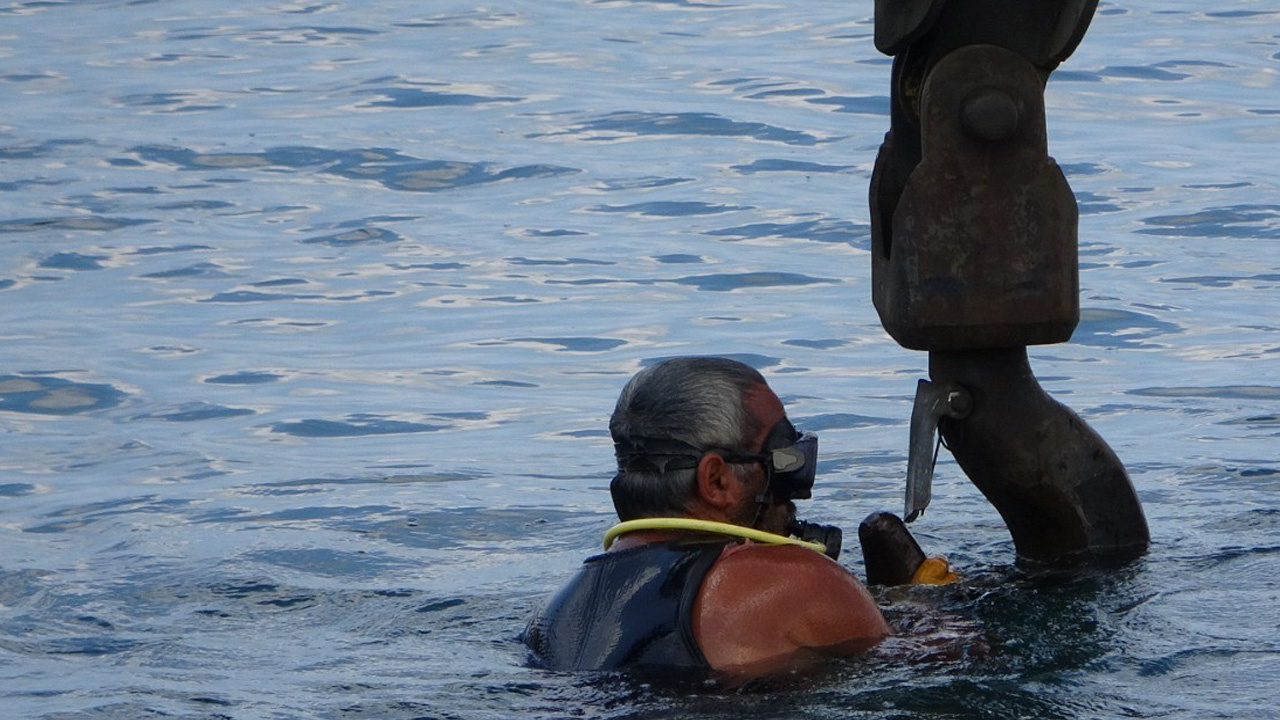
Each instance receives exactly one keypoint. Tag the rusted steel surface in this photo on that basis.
(1061, 490)
(974, 257)
(973, 225)
(983, 245)
(1045, 32)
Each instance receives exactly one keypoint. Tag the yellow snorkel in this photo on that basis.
(708, 526)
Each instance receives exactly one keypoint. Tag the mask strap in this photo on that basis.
(762, 503)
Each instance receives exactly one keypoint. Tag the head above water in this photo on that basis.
(673, 417)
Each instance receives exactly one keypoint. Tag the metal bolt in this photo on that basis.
(959, 402)
(989, 114)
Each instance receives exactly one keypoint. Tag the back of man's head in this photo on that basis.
(693, 400)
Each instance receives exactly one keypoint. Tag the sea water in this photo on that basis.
(313, 314)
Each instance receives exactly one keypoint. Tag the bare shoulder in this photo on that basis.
(793, 573)
(783, 598)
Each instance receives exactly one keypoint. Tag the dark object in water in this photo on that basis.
(890, 553)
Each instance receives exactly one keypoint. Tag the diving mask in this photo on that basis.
(790, 458)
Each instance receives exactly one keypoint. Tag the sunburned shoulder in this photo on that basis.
(783, 567)
(768, 607)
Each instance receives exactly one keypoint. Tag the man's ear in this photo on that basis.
(717, 485)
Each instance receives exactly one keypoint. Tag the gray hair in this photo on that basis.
(694, 400)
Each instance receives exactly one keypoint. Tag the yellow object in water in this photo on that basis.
(935, 570)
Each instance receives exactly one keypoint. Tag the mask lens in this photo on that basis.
(795, 467)
(787, 460)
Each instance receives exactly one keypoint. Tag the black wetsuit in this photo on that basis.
(631, 608)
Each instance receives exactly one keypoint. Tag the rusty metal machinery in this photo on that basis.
(974, 257)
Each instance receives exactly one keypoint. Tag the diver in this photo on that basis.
(705, 571)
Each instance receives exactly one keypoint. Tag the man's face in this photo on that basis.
(767, 410)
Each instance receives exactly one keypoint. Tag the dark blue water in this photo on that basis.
(314, 312)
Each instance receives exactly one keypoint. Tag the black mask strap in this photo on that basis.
(655, 455)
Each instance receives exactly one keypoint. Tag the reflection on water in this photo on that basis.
(314, 314)
(54, 396)
(387, 167)
(1260, 222)
(623, 125)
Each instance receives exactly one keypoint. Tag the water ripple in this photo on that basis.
(669, 208)
(841, 421)
(244, 378)
(254, 296)
(858, 105)
(623, 125)
(505, 383)
(460, 527)
(1257, 422)
(73, 261)
(70, 222)
(385, 166)
(680, 259)
(360, 236)
(308, 35)
(557, 262)
(1232, 221)
(44, 149)
(321, 485)
(401, 93)
(1093, 204)
(44, 395)
(24, 77)
(645, 182)
(355, 425)
(1233, 392)
(251, 296)
(1113, 327)
(824, 230)
(329, 563)
(91, 646)
(1084, 169)
(479, 18)
(759, 362)
(780, 165)
(195, 412)
(174, 102)
(816, 344)
(1143, 72)
(727, 282)
(203, 270)
(1226, 281)
(79, 516)
(566, 344)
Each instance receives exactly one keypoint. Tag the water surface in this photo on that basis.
(314, 312)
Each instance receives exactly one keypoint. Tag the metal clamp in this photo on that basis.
(933, 402)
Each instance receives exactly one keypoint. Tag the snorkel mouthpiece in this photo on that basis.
(829, 536)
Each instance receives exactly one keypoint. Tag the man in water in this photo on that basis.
(706, 455)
